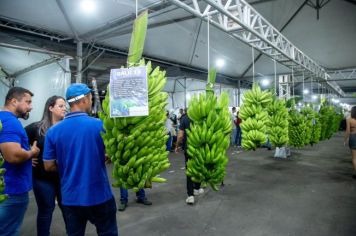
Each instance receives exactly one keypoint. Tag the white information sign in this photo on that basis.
(128, 92)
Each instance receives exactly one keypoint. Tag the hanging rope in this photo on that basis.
(208, 24)
(303, 86)
(311, 86)
(293, 80)
(275, 77)
(253, 65)
(136, 8)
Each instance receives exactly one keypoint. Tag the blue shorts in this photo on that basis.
(352, 141)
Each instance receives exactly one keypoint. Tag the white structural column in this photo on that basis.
(242, 21)
(238, 92)
(284, 87)
(79, 62)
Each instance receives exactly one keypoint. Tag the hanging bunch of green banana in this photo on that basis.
(209, 136)
(277, 125)
(253, 113)
(307, 112)
(137, 145)
(3, 197)
(324, 118)
(296, 128)
(327, 118)
(316, 130)
(337, 118)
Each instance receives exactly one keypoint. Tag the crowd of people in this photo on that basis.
(62, 158)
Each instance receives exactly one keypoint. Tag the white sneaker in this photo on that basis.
(190, 200)
(198, 191)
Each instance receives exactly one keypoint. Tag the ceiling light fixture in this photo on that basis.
(265, 82)
(87, 6)
(220, 63)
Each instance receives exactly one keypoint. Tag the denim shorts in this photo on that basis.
(352, 141)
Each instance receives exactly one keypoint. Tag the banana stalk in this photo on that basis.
(296, 128)
(209, 136)
(307, 112)
(254, 117)
(137, 145)
(277, 125)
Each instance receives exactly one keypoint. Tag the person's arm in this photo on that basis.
(50, 165)
(49, 154)
(347, 132)
(32, 131)
(15, 154)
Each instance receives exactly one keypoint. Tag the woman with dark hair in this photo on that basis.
(350, 135)
(46, 185)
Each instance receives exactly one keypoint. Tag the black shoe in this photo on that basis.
(144, 202)
(354, 176)
(122, 206)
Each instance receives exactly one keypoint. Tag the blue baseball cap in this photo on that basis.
(76, 91)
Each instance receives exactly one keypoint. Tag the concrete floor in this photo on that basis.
(311, 193)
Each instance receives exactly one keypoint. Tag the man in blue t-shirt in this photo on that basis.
(17, 154)
(75, 148)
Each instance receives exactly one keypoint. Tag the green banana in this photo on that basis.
(254, 117)
(209, 130)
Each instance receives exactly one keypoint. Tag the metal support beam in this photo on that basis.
(93, 61)
(38, 50)
(6, 82)
(126, 20)
(79, 62)
(196, 37)
(127, 29)
(185, 93)
(283, 27)
(66, 17)
(238, 92)
(231, 15)
(23, 27)
(344, 74)
(36, 66)
(4, 72)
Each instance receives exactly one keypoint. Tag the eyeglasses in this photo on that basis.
(61, 106)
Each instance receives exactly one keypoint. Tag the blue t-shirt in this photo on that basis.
(18, 177)
(76, 145)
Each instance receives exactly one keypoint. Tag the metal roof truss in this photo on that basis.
(242, 21)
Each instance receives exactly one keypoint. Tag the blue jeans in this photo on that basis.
(103, 216)
(46, 192)
(124, 195)
(238, 136)
(12, 212)
(233, 136)
(169, 142)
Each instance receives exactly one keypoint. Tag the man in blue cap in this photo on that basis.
(75, 148)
